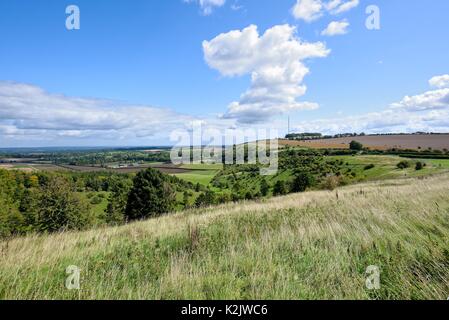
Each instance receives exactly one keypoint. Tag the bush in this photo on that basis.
(280, 188)
(369, 167)
(264, 187)
(403, 165)
(95, 200)
(331, 182)
(302, 181)
(205, 199)
(419, 166)
(355, 145)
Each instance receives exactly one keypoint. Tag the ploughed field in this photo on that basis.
(381, 142)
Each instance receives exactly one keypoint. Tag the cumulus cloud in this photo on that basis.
(207, 6)
(307, 10)
(428, 112)
(275, 62)
(336, 28)
(311, 10)
(440, 81)
(387, 121)
(28, 110)
(430, 100)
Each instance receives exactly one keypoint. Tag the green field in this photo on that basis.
(201, 173)
(97, 208)
(385, 167)
(203, 177)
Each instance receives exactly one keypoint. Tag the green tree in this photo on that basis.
(419, 166)
(11, 219)
(59, 208)
(207, 198)
(151, 195)
(264, 187)
(355, 145)
(279, 188)
(403, 165)
(302, 181)
(118, 199)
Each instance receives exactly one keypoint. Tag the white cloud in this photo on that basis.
(336, 28)
(430, 100)
(311, 10)
(338, 6)
(275, 62)
(428, 112)
(207, 6)
(27, 110)
(440, 81)
(307, 10)
(387, 121)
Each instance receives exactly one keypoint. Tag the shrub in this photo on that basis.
(369, 167)
(403, 165)
(355, 145)
(302, 181)
(205, 199)
(331, 182)
(279, 188)
(95, 200)
(264, 187)
(419, 166)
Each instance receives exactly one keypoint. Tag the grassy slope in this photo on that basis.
(385, 167)
(302, 246)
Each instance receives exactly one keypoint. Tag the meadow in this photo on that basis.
(313, 245)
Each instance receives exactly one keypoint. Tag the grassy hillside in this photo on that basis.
(314, 245)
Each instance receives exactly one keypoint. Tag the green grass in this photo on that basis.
(312, 245)
(98, 209)
(385, 167)
(203, 166)
(203, 177)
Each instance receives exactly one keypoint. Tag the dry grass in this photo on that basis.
(313, 245)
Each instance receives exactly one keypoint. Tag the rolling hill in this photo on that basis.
(314, 245)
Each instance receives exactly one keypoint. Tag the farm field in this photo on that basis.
(203, 177)
(31, 167)
(199, 173)
(282, 248)
(385, 167)
(438, 142)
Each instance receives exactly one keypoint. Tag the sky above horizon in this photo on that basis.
(137, 71)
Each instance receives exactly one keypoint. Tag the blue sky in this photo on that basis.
(146, 59)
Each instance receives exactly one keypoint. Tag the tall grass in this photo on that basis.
(314, 245)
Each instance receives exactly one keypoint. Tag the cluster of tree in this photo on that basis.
(50, 202)
(404, 164)
(40, 203)
(304, 136)
(315, 136)
(103, 158)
